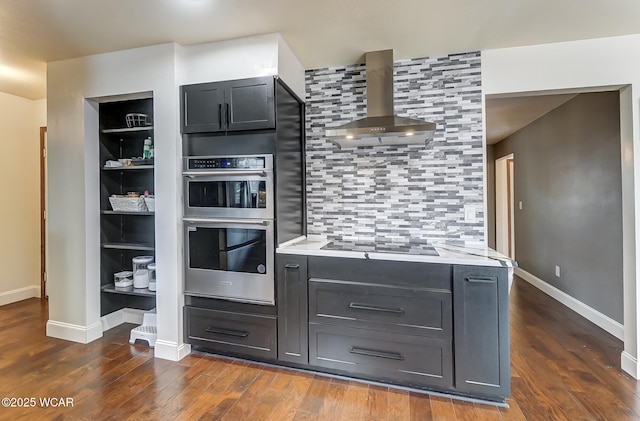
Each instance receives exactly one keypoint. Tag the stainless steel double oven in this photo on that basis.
(229, 227)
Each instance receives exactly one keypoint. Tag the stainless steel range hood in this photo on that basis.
(381, 126)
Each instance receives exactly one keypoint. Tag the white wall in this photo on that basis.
(261, 55)
(580, 66)
(74, 238)
(20, 121)
(75, 87)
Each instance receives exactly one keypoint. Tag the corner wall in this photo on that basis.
(20, 122)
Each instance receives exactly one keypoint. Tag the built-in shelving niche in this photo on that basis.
(124, 234)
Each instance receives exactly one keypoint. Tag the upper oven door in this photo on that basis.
(229, 193)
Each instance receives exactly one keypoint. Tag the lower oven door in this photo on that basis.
(230, 258)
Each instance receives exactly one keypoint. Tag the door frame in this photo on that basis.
(505, 205)
(43, 213)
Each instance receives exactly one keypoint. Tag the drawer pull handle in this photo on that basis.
(359, 306)
(479, 280)
(375, 353)
(291, 266)
(228, 332)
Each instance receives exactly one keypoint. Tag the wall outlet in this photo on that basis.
(469, 214)
(520, 205)
(558, 271)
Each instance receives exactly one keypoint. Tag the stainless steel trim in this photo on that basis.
(210, 221)
(224, 173)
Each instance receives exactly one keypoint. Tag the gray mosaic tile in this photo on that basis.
(398, 194)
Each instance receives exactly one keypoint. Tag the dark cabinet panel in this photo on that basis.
(292, 308)
(202, 107)
(386, 308)
(250, 104)
(481, 308)
(407, 359)
(229, 332)
(243, 104)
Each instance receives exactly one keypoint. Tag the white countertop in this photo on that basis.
(447, 253)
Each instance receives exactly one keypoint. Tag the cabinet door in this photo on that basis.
(231, 333)
(292, 308)
(249, 104)
(481, 326)
(202, 107)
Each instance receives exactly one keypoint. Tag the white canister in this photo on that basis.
(141, 271)
(152, 276)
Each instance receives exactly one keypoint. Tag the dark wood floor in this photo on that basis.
(563, 368)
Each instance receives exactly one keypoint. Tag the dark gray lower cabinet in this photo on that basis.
(481, 330)
(389, 321)
(292, 308)
(423, 325)
(230, 332)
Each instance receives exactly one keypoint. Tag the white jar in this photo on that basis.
(152, 276)
(141, 271)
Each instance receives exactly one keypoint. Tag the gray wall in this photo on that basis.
(567, 174)
(395, 194)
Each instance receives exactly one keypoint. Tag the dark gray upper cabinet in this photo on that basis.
(291, 276)
(243, 104)
(481, 326)
(202, 107)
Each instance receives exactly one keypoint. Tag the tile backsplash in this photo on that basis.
(398, 194)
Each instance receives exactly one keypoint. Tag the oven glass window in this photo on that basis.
(228, 249)
(228, 194)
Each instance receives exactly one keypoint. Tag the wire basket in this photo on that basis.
(128, 204)
(137, 120)
(150, 201)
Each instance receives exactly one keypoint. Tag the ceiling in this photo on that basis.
(505, 116)
(320, 33)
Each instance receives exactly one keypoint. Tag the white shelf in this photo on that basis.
(129, 129)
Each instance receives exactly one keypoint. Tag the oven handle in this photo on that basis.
(226, 221)
(224, 173)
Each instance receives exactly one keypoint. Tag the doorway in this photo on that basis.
(505, 205)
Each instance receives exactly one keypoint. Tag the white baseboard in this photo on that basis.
(75, 333)
(171, 351)
(125, 315)
(594, 316)
(19, 294)
(629, 364)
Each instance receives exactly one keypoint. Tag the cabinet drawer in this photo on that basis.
(386, 308)
(412, 360)
(382, 272)
(228, 332)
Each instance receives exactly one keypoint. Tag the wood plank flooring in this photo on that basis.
(563, 368)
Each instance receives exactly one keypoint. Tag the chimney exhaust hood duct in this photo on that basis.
(381, 126)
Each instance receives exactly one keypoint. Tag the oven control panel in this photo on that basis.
(237, 162)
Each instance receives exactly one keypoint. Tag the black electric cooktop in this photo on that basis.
(422, 249)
